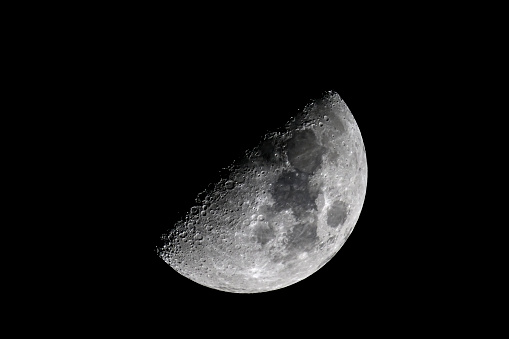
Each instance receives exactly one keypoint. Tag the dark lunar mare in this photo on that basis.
(270, 151)
(302, 237)
(292, 191)
(264, 233)
(304, 153)
(337, 213)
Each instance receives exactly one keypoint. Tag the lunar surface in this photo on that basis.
(282, 211)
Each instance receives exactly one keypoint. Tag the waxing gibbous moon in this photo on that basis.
(283, 210)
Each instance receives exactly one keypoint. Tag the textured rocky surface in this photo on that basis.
(285, 210)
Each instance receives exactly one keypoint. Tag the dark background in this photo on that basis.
(182, 124)
(141, 112)
(165, 121)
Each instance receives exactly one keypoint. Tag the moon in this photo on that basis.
(282, 211)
